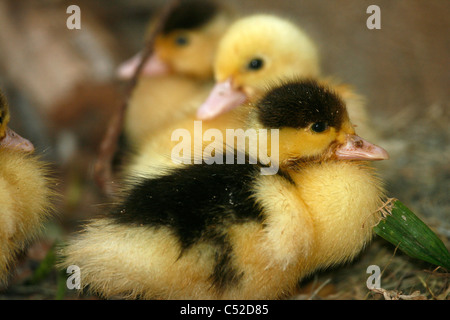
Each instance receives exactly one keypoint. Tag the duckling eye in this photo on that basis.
(181, 41)
(319, 127)
(255, 64)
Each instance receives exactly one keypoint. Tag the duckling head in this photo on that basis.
(255, 50)
(8, 138)
(187, 43)
(313, 125)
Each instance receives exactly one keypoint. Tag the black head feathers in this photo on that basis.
(298, 104)
(191, 14)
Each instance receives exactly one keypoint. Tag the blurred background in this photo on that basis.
(62, 90)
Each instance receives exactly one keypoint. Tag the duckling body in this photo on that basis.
(25, 194)
(158, 102)
(219, 231)
(218, 245)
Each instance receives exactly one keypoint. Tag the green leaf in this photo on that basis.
(404, 229)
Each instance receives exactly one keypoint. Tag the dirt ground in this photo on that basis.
(61, 87)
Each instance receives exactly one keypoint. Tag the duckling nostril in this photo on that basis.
(358, 144)
(356, 148)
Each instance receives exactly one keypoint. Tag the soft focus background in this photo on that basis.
(62, 90)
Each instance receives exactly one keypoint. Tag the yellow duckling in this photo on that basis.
(179, 74)
(255, 50)
(227, 231)
(25, 193)
(265, 48)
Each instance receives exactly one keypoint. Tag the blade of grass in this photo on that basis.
(404, 229)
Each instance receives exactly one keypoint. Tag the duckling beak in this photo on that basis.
(14, 141)
(223, 98)
(356, 148)
(154, 66)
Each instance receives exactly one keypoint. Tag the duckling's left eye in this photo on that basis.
(255, 64)
(319, 127)
(181, 41)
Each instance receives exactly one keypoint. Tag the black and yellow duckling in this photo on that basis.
(226, 231)
(25, 193)
(179, 74)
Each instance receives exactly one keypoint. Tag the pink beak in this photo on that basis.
(223, 98)
(14, 141)
(154, 66)
(357, 148)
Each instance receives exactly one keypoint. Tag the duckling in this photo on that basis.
(187, 43)
(262, 48)
(255, 50)
(179, 74)
(25, 193)
(218, 231)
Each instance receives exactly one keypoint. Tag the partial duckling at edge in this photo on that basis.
(226, 231)
(25, 193)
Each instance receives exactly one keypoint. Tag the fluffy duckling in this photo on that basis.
(255, 50)
(262, 48)
(222, 231)
(178, 76)
(25, 193)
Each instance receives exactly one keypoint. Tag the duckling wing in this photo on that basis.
(194, 201)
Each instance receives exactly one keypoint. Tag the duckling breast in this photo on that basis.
(344, 198)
